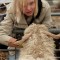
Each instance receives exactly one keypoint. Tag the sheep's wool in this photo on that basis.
(39, 46)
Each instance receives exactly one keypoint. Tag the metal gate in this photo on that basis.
(8, 54)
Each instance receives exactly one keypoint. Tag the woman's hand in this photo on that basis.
(13, 43)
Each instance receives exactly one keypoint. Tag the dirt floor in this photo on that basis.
(3, 55)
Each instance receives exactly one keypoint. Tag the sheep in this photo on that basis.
(39, 46)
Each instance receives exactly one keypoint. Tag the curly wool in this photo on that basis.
(39, 46)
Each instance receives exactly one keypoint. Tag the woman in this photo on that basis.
(21, 13)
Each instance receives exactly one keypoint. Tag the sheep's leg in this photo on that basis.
(24, 38)
(52, 35)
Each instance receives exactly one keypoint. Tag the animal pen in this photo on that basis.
(5, 53)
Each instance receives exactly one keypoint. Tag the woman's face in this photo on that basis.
(29, 7)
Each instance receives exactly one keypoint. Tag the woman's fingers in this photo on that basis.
(11, 42)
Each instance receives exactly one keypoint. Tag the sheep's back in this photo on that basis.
(39, 43)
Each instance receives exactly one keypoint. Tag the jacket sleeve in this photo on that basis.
(48, 19)
(6, 27)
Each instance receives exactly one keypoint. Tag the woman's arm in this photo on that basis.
(6, 27)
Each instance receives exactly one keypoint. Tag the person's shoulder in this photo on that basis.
(45, 4)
